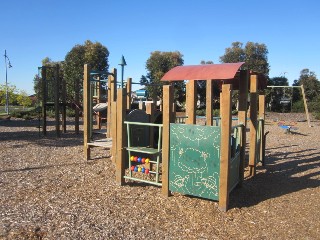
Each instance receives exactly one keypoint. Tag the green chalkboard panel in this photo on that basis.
(194, 165)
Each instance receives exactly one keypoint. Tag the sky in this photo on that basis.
(201, 30)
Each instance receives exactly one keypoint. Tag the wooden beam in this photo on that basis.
(150, 110)
(56, 100)
(167, 119)
(242, 116)
(129, 89)
(253, 123)
(86, 111)
(262, 111)
(209, 102)
(77, 104)
(225, 153)
(305, 105)
(114, 131)
(44, 99)
(191, 102)
(121, 136)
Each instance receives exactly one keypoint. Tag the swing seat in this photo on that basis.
(288, 128)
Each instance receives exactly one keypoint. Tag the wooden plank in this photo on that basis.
(114, 130)
(129, 89)
(121, 136)
(225, 153)
(209, 103)
(77, 105)
(242, 116)
(86, 111)
(191, 102)
(150, 110)
(253, 123)
(167, 119)
(262, 111)
(305, 105)
(109, 103)
(64, 106)
(56, 100)
(106, 143)
(44, 99)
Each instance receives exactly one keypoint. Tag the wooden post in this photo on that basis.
(86, 111)
(44, 99)
(56, 100)
(225, 153)
(112, 97)
(167, 119)
(253, 124)
(191, 102)
(305, 105)
(121, 136)
(77, 104)
(129, 89)
(150, 110)
(209, 102)
(242, 116)
(262, 110)
(64, 106)
(98, 100)
(114, 131)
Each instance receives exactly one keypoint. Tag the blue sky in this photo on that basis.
(201, 30)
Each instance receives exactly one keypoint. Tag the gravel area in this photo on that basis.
(48, 191)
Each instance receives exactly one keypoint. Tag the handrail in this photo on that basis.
(144, 124)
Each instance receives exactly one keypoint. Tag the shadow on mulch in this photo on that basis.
(284, 174)
(36, 136)
(41, 167)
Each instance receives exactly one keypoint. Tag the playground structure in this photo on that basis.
(53, 94)
(180, 164)
(304, 102)
(53, 91)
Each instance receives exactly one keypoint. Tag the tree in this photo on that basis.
(23, 99)
(94, 54)
(12, 90)
(255, 56)
(157, 65)
(310, 83)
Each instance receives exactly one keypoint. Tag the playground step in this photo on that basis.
(107, 143)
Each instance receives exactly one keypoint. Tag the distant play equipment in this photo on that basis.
(288, 126)
(286, 100)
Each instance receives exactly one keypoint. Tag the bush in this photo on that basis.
(298, 106)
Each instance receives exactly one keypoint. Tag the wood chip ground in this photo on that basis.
(48, 191)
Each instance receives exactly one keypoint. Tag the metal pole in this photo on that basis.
(7, 95)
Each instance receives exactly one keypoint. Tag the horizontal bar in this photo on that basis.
(141, 180)
(144, 124)
(236, 126)
(284, 86)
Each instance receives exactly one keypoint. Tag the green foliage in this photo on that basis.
(23, 99)
(157, 65)
(310, 83)
(298, 106)
(12, 94)
(255, 56)
(94, 54)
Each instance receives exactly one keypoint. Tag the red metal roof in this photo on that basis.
(203, 72)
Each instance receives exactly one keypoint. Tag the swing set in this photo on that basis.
(285, 100)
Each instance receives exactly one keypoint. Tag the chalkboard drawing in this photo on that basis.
(194, 160)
